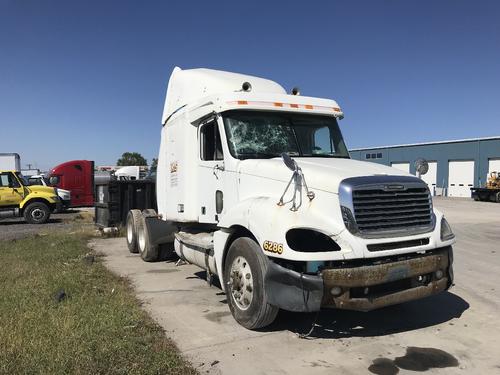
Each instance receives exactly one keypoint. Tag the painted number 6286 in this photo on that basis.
(273, 247)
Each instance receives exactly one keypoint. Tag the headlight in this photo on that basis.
(446, 232)
(349, 220)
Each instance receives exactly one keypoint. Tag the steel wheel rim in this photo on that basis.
(37, 214)
(241, 283)
(130, 232)
(142, 240)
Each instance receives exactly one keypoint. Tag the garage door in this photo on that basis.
(405, 167)
(431, 176)
(493, 166)
(460, 178)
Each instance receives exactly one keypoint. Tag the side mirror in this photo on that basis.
(14, 184)
(421, 166)
(289, 162)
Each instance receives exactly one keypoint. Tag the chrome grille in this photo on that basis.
(388, 205)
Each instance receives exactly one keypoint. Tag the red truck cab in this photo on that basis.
(76, 176)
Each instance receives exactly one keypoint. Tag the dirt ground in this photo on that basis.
(17, 228)
(454, 332)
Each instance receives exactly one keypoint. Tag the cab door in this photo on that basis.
(11, 191)
(210, 172)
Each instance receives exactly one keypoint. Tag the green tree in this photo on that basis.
(154, 164)
(131, 158)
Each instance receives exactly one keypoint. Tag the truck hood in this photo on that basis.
(42, 189)
(320, 173)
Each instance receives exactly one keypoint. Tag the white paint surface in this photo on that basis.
(431, 176)
(493, 166)
(460, 178)
(405, 167)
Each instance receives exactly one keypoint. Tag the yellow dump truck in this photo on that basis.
(18, 199)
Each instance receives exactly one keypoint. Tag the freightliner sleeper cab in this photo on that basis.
(256, 186)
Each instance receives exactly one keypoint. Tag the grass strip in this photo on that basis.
(62, 311)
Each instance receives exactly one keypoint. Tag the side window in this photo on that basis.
(53, 180)
(8, 180)
(322, 141)
(4, 180)
(34, 181)
(210, 142)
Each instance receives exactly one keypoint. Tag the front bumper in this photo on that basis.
(65, 203)
(361, 287)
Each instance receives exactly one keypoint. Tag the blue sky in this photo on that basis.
(87, 79)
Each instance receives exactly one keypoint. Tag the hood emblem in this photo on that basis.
(394, 187)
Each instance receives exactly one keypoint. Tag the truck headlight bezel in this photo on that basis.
(446, 232)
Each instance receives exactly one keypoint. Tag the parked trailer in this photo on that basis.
(116, 198)
(257, 187)
(10, 162)
(486, 194)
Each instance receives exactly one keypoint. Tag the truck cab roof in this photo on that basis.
(202, 91)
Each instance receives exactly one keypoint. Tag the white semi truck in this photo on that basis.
(256, 186)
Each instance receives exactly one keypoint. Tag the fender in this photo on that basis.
(269, 223)
(38, 197)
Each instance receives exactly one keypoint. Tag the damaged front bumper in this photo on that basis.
(361, 287)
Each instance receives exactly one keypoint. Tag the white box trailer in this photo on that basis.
(10, 162)
(256, 186)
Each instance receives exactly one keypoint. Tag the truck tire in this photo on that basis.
(149, 252)
(244, 271)
(133, 221)
(497, 197)
(37, 213)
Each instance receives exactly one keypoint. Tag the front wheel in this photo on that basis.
(244, 272)
(37, 213)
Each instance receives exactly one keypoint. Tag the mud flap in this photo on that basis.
(293, 291)
(160, 231)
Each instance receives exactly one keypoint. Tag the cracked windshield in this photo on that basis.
(255, 135)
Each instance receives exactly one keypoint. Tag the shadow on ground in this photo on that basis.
(406, 317)
(21, 221)
(331, 323)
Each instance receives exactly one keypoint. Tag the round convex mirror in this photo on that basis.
(421, 166)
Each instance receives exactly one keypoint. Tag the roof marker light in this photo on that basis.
(286, 105)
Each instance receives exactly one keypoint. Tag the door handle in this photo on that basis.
(218, 168)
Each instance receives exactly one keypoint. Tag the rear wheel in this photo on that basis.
(148, 251)
(37, 213)
(497, 198)
(133, 221)
(244, 272)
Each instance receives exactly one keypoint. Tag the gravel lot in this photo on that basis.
(458, 330)
(17, 228)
